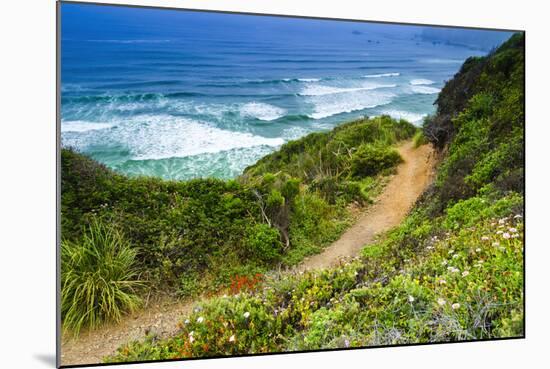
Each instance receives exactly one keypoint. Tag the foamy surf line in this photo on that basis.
(427, 90)
(421, 81)
(393, 74)
(324, 108)
(262, 111)
(409, 116)
(321, 90)
(154, 137)
(83, 126)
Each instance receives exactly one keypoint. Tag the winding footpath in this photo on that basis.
(389, 209)
(160, 317)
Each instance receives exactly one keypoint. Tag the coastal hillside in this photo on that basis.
(147, 236)
(452, 270)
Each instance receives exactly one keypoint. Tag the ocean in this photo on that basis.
(181, 94)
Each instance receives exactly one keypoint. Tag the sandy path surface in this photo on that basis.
(397, 198)
(91, 346)
(161, 317)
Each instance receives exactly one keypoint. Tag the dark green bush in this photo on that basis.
(370, 160)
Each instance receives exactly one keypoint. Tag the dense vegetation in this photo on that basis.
(188, 237)
(453, 270)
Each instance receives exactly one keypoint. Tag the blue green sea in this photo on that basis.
(183, 94)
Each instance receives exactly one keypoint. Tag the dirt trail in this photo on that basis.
(161, 316)
(91, 346)
(397, 198)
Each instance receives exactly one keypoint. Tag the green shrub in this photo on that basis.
(99, 279)
(263, 243)
(314, 223)
(189, 285)
(419, 139)
(370, 160)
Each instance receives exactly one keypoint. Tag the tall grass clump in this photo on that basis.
(98, 278)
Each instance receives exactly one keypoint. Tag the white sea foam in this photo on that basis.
(427, 90)
(393, 74)
(309, 79)
(321, 90)
(328, 105)
(83, 126)
(421, 81)
(400, 114)
(295, 132)
(262, 111)
(165, 136)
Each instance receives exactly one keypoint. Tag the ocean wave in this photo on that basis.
(421, 81)
(153, 137)
(409, 116)
(426, 90)
(309, 79)
(326, 106)
(393, 74)
(158, 83)
(226, 164)
(260, 82)
(262, 111)
(321, 90)
(83, 126)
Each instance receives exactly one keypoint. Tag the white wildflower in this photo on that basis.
(499, 232)
(441, 302)
(191, 338)
(465, 273)
(513, 230)
(444, 262)
(411, 298)
(187, 321)
(246, 315)
(485, 238)
(506, 235)
(200, 319)
(456, 256)
(442, 281)
(478, 249)
(232, 338)
(455, 306)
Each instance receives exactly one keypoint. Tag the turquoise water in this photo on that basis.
(180, 94)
